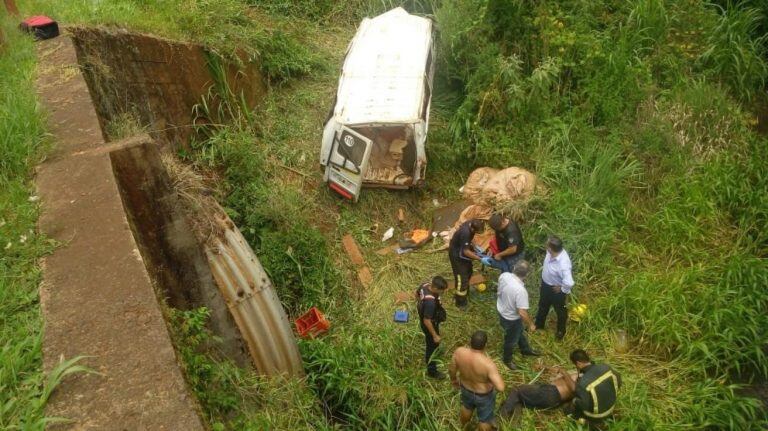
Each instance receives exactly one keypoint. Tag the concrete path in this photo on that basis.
(96, 295)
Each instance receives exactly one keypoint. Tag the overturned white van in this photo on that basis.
(376, 132)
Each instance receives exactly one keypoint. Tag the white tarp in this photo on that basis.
(385, 70)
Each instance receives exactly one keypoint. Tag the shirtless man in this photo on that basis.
(479, 380)
(541, 396)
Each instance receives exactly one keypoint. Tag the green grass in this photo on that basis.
(635, 116)
(23, 388)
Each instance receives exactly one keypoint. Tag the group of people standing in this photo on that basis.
(592, 389)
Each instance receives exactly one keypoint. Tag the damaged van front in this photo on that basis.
(377, 130)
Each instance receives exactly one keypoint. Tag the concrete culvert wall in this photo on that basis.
(156, 81)
(169, 248)
(198, 257)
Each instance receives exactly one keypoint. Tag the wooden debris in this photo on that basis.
(401, 215)
(386, 250)
(10, 6)
(403, 297)
(365, 276)
(352, 250)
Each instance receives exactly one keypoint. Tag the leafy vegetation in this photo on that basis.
(23, 388)
(637, 116)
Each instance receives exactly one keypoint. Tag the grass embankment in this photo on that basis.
(635, 117)
(22, 385)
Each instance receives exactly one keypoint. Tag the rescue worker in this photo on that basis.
(509, 242)
(476, 375)
(596, 389)
(540, 395)
(512, 305)
(556, 285)
(461, 253)
(431, 314)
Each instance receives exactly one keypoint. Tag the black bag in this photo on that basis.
(41, 27)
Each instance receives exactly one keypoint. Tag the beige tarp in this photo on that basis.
(491, 187)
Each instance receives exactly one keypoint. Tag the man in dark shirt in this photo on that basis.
(509, 240)
(596, 389)
(431, 314)
(461, 253)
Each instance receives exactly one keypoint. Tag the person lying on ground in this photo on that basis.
(461, 253)
(596, 389)
(509, 244)
(540, 395)
(512, 305)
(475, 374)
(431, 315)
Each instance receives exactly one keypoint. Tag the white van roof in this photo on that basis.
(384, 73)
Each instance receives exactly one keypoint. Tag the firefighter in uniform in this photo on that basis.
(597, 389)
(431, 315)
(461, 253)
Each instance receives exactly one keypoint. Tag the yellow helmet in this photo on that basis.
(480, 287)
(578, 312)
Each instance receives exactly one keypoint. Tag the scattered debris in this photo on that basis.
(365, 276)
(353, 251)
(387, 250)
(388, 234)
(403, 297)
(401, 316)
(34, 198)
(312, 323)
(356, 256)
(401, 215)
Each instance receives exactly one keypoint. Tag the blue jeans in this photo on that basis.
(513, 335)
(483, 403)
(507, 263)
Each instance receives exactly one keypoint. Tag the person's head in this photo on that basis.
(497, 221)
(476, 225)
(521, 269)
(438, 284)
(554, 245)
(478, 340)
(580, 358)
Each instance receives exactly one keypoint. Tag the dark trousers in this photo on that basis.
(513, 335)
(431, 346)
(462, 272)
(539, 396)
(547, 299)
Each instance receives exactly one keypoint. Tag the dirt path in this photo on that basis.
(96, 295)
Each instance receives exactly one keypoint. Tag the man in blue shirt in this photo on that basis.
(556, 284)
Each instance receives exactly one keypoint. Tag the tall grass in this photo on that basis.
(23, 387)
(628, 112)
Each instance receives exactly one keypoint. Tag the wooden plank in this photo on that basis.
(352, 250)
(365, 276)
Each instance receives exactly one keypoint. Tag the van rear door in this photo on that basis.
(348, 162)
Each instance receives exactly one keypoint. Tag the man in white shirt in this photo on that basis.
(556, 285)
(512, 305)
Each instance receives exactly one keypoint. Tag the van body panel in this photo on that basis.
(384, 94)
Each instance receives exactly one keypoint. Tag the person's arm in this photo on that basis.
(523, 312)
(512, 249)
(452, 371)
(431, 329)
(567, 276)
(495, 377)
(468, 252)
